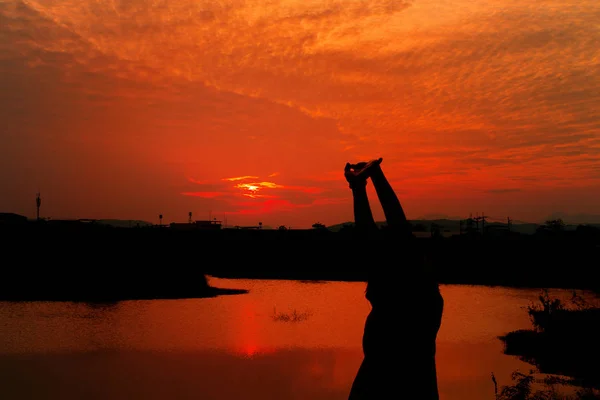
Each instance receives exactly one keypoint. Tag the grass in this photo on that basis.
(293, 316)
(523, 389)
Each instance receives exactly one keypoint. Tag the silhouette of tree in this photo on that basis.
(553, 226)
(318, 225)
(435, 230)
(556, 225)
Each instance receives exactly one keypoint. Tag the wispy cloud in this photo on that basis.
(240, 178)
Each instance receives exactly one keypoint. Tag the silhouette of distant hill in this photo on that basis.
(452, 226)
(574, 219)
(418, 224)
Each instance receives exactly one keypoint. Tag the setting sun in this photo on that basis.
(247, 186)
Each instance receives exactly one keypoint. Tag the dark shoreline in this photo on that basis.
(307, 278)
(325, 279)
(205, 293)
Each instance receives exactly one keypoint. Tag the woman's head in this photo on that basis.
(402, 277)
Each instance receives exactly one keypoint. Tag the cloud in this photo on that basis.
(457, 97)
(502, 191)
(434, 216)
(267, 207)
(240, 178)
(497, 72)
(206, 195)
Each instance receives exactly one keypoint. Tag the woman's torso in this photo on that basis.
(405, 324)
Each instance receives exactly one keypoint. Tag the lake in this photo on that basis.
(282, 340)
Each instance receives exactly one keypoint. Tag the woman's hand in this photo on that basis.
(353, 176)
(361, 169)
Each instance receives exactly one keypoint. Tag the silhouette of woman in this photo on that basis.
(406, 305)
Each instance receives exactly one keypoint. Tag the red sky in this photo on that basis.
(129, 109)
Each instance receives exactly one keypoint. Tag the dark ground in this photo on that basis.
(40, 260)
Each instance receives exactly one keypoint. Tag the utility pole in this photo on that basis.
(483, 217)
(477, 219)
(469, 224)
(509, 223)
(190, 217)
(38, 203)
(160, 220)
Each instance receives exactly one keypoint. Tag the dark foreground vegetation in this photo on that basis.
(564, 341)
(76, 260)
(525, 386)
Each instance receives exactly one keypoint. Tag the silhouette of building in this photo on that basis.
(256, 228)
(197, 225)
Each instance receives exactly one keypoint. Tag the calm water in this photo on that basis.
(283, 340)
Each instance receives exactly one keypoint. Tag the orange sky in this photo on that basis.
(129, 109)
